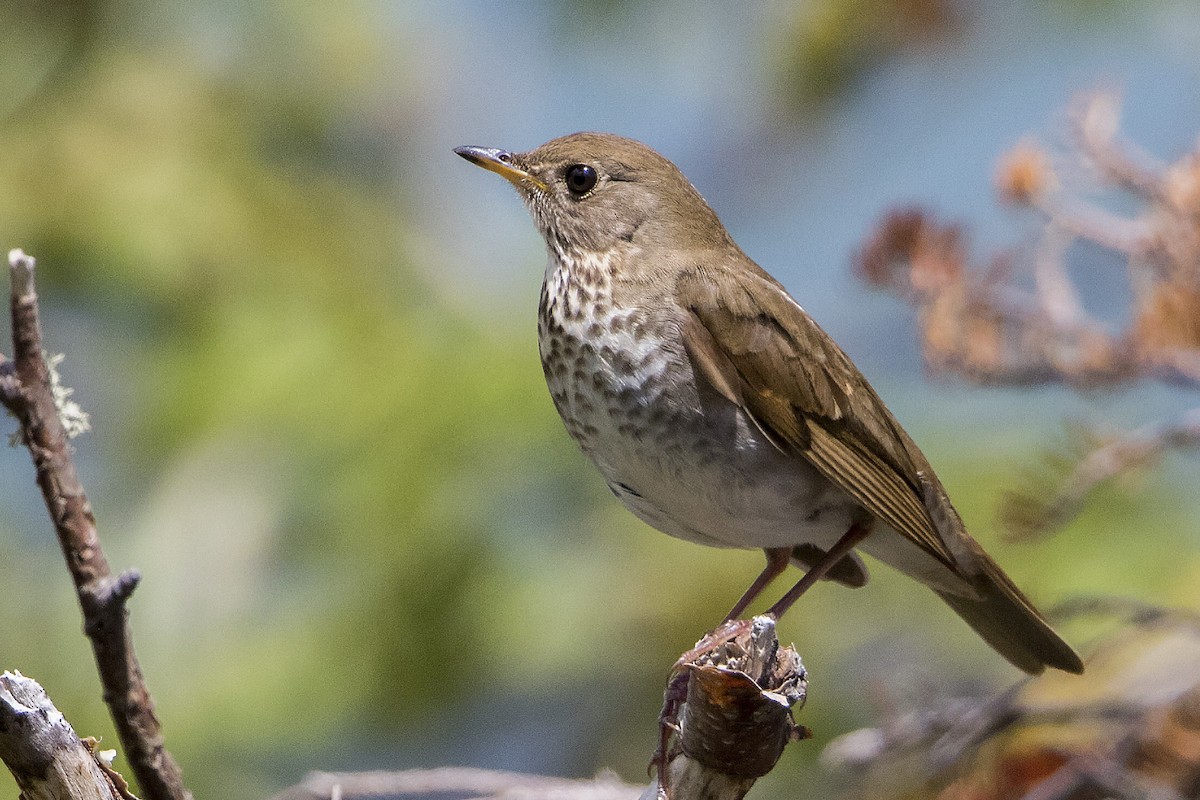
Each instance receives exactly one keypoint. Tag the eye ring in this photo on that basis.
(580, 179)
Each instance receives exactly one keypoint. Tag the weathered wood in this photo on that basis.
(727, 715)
(464, 782)
(40, 748)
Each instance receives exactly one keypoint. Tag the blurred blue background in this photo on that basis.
(305, 332)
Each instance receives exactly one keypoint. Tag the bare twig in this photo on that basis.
(27, 391)
(995, 332)
(1130, 730)
(467, 783)
(1039, 508)
(995, 327)
(1096, 123)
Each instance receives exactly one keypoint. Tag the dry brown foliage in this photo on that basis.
(1018, 320)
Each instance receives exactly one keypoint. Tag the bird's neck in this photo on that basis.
(585, 268)
(575, 282)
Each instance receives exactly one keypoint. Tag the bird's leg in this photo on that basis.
(850, 539)
(677, 679)
(731, 626)
(777, 561)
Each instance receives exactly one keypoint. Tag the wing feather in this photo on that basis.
(760, 350)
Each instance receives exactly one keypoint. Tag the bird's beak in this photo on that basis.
(500, 162)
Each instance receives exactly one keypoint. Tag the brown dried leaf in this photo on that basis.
(1169, 319)
(910, 253)
(984, 342)
(1181, 185)
(1024, 174)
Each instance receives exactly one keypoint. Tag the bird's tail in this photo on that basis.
(1008, 621)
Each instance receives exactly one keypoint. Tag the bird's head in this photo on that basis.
(595, 191)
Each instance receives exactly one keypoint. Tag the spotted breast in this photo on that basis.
(662, 439)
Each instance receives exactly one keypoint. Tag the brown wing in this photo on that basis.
(760, 350)
(756, 347)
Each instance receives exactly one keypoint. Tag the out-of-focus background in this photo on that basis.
(305, 332)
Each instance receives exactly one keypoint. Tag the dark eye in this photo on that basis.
(580, 179)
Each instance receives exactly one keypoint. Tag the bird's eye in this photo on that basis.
(580, 178)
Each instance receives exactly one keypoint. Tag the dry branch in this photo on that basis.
(1128, 729)
(42, 751)
(726, 719)
(28, 391)
(727, 714)
(459, 782)
(1020, 320)
(1031, 511)
(984, 323)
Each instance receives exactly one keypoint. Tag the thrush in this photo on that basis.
(718, 411)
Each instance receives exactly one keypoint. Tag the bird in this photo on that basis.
(715, 407)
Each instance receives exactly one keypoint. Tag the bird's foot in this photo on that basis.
(727, 631)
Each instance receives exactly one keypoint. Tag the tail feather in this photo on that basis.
(1008, 621)
(994, 606)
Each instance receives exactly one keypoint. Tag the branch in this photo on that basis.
(984, 325)
(41, 749)
(465, 782)
(726, 719)
(1095, 122)
(1041, 508)
(727, 714)
(1128, 729)
(28, 391)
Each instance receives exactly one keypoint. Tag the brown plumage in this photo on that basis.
(718, 410)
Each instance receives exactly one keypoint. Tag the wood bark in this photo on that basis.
(43, 752)
(28, 391)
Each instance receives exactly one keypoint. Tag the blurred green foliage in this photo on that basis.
(825, 47)
(828, 44)
(366, 540)
(315, 448)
